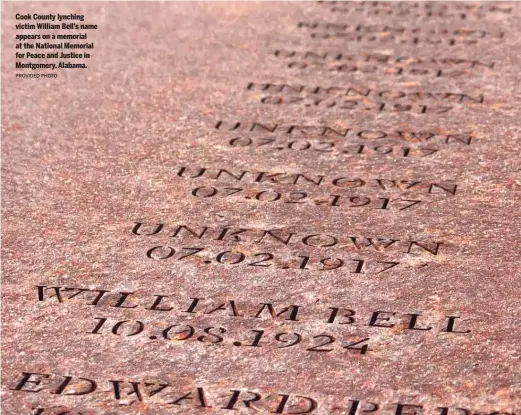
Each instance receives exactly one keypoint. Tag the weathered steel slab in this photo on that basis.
(265, 207)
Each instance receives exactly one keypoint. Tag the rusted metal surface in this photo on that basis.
(294, 181)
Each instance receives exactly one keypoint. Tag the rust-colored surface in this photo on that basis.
(374, 203)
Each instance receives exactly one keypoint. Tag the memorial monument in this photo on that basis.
(261, 207)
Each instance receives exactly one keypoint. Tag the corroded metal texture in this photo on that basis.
(265, 207)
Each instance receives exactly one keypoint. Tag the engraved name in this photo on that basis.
(234, 309)
(387, 33)
(347, 132)
(278, 237)
(170, 396)
(382, 58)
(342, 181)
(361, 92)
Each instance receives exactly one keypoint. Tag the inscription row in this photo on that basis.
(162, 393)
